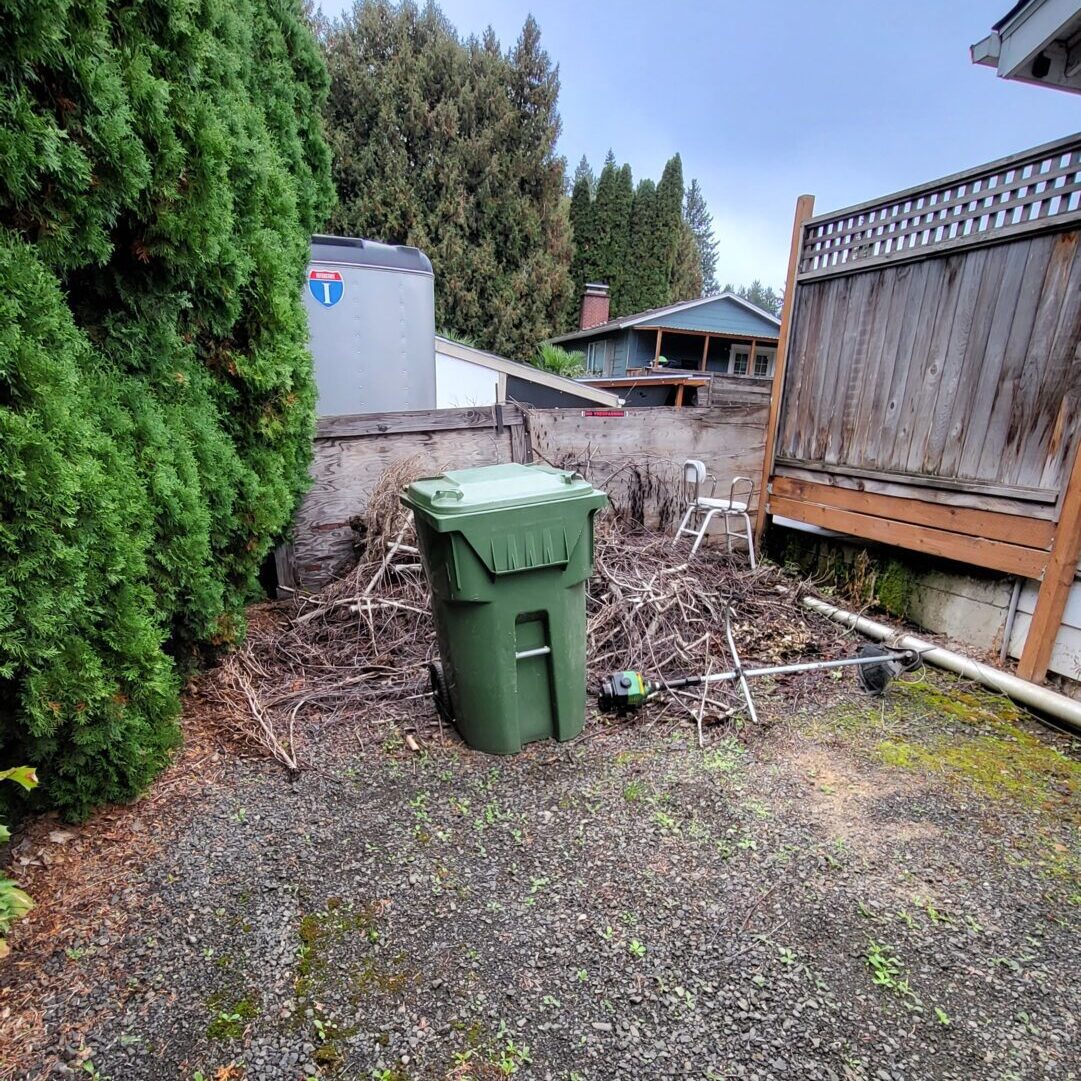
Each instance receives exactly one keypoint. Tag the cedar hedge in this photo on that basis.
(162, 165)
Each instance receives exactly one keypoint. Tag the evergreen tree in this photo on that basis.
(611, 229)
(635, 239)
(761, 295)
(669, 220)
(697, 216)
(687, 273)
(584, 172)
(617, 256)
(646, 283)
(450, 146)
(164, 166)
(583, 234)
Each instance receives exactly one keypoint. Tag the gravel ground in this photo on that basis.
(857, 890)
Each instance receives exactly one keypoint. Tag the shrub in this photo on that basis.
(14, 902)
(560, 361)
(162, 168)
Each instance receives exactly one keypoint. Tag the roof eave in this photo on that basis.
(661, 313)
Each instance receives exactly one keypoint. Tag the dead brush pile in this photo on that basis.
(356, 654)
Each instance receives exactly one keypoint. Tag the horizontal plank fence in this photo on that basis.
(352, 453)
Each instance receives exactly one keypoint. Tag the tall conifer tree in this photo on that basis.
(450, 145)
(697, 216)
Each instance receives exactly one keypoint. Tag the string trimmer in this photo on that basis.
(875, 667)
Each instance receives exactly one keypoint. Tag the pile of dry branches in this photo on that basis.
(356, 654)
(651, 608)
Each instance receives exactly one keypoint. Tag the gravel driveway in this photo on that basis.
(857, 890)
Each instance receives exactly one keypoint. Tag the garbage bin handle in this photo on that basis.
(448, 493)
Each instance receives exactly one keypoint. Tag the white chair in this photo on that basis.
(702, 509)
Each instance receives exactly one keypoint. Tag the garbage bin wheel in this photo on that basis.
(440, 692)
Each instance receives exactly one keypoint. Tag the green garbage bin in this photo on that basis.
(507, 550)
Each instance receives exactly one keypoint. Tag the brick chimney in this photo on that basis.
(594, 306)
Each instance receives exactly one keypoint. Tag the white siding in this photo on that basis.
(1066, 653)
(460, 385)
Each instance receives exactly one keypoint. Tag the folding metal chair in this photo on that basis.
(702, 509)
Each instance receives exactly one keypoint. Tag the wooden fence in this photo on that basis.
(353, 452)
(926, 390)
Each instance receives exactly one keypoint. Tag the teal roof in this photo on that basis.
(722, 314)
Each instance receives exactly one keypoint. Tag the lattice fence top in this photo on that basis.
(1036, 189)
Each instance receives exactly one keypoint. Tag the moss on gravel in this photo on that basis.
(230, 1017)
(984, 747)
(323, 933)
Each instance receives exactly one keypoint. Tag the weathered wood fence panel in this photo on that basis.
(353, 452)
(637, 458)
(961, 369)
(929, 394)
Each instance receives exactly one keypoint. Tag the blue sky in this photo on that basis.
(845, 100)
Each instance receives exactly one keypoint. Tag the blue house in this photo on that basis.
(724, 334)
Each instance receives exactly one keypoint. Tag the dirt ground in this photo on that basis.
(858, 889)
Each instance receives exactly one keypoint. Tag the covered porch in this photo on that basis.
(702, 351)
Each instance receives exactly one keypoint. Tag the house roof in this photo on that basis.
(669, 314)
(1036, 41)
(531, 373)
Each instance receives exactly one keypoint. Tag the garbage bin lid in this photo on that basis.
(495, 487)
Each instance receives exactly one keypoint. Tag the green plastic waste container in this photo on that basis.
(507, 550)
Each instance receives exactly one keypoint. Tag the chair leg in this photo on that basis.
(727, 536)
(702, 532)
(682, 525)
(750, 539)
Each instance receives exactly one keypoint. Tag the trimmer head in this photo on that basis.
(875, 678)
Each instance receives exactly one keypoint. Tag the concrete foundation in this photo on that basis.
(967, 605)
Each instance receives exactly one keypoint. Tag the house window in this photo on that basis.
(594, 356)
(739, 363)
(761, 365)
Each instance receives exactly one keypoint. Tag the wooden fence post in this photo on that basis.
(805, 206)
(1057, 579)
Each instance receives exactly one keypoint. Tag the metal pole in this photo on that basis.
(744, 686)
(809, 666)
(540, 651)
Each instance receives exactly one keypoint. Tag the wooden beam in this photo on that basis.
(1057, 580)
(705, 353)
(975, 551)
(720, 334)
(646, 381)
(805, 206)
(679, 395)
(923, 480)
(657, 351)
(750, 356)
(913, 488)
(1011, 528)
(414, 420)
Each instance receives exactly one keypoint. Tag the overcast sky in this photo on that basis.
(844, 99)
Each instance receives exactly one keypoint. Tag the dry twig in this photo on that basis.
(357, 652)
